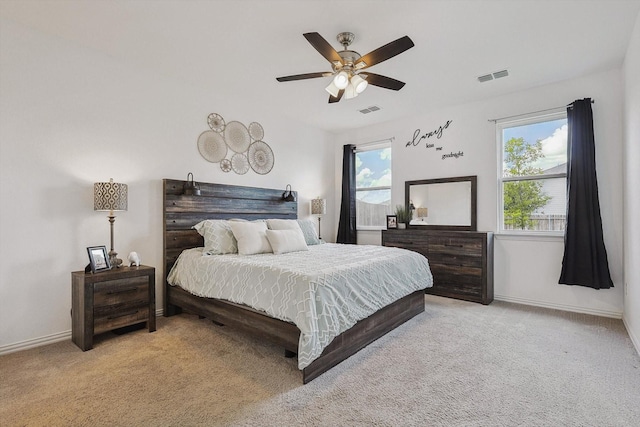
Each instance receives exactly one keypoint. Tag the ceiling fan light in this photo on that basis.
(341, 80)
(359, 83)
(332, 89)
(350, 92)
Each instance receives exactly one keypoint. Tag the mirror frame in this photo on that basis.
(474, 200)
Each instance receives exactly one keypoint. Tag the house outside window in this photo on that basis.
(373, 186)
(533, 174)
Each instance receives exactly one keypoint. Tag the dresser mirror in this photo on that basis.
(443, 203)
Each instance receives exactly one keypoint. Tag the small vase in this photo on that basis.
(402, 225)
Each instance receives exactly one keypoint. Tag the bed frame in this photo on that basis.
(220, 201)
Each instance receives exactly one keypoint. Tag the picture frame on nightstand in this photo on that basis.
(98, 258)
(392, 222)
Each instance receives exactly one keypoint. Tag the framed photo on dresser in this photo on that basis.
(98, 258)
(392, 222)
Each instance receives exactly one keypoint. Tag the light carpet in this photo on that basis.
(457, 364)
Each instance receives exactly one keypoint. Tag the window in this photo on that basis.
(373, 186)
(533, 174)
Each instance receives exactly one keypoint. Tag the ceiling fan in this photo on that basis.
(349, 77)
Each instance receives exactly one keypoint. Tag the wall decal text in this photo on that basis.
(417, 138)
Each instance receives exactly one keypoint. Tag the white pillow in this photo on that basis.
(218, 237)
(251, 237)
(283, 224)
(284, 241)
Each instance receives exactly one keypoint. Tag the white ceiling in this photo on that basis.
(240, 46)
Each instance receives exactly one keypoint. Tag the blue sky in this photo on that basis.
(553, 135)
(373, 169)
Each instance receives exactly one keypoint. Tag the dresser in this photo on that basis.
(461, 261)
(109, 300)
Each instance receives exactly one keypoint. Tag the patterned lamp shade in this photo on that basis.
(423, 212)
(109, 196)
(318, 206)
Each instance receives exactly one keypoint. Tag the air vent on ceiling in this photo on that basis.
(496, 75)
(369, 109)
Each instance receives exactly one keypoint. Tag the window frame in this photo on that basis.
(373, 146)
(523, 120)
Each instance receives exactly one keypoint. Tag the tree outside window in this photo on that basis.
(533, 174)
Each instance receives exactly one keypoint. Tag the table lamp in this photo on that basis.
(319, 208)
(110, 196)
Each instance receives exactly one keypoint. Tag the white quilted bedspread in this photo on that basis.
(323, 291)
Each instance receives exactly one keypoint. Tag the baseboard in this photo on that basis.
(634, 338)
(47, 339)
(35, 342)
(563, 307)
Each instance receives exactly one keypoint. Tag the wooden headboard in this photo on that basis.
(217, 201)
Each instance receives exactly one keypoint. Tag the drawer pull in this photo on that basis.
(122, 315)
(122, 291)
(454, 246)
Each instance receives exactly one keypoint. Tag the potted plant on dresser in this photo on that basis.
(404, 216)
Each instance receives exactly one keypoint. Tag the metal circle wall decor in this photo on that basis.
(212, 146)
(240, 164)
(237, 137)
(261, 157)
(225, 165)
(243, 143)
(216, 122)
(255, 131)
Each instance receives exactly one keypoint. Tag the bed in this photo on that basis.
(219, 201)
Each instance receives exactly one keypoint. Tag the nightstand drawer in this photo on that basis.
(122, 290)
(121, 315)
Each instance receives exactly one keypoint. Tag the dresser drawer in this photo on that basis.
(457, 290)
(456, 274)
(120, 291)
(456, 245)
(421, 249)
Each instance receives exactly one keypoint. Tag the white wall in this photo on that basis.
(526, 270)
(70, 117)
(631, 156)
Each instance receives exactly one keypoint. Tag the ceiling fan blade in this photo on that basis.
(302, 76)
(383, 81)
(385, 52)
(323, 47)
(333, 99)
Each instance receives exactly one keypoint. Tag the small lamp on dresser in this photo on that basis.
(423, 213)
(110, 196)
(318, 208)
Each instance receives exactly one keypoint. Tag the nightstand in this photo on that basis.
(112, 299)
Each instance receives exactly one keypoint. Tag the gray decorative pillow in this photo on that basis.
(309, 230)
(218, 237)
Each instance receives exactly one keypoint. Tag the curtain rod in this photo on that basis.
(393, 138)
(534, 112)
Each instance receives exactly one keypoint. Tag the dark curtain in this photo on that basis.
(585, 257)
(347, 224)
